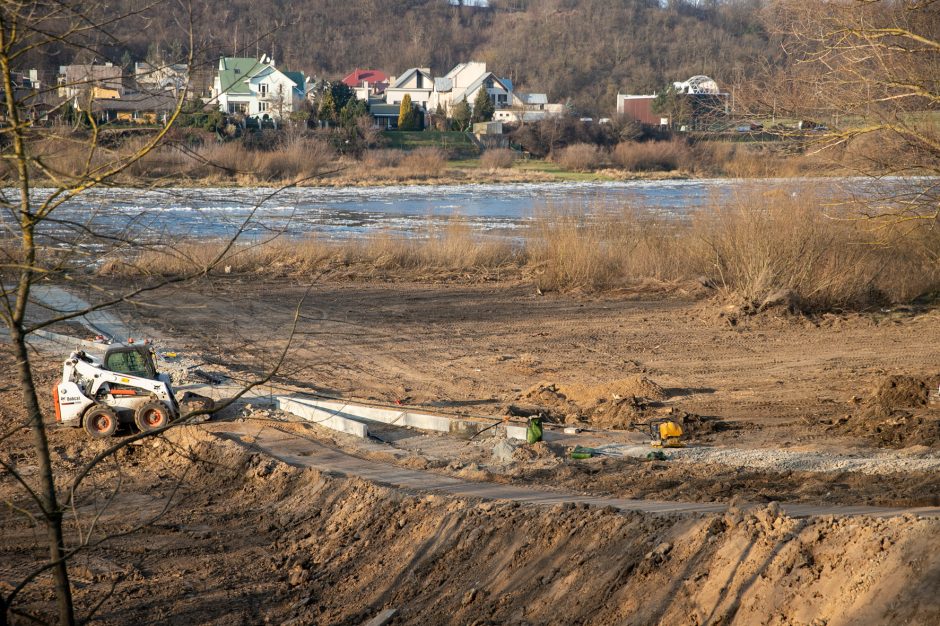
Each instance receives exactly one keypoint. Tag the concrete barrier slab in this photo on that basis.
(394, 417)
(323, 416)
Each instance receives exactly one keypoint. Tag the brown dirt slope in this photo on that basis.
(260, 541)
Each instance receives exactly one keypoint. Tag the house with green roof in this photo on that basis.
(256, 88)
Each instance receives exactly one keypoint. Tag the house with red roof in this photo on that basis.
(367, 82)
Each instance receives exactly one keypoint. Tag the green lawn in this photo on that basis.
(454, 142)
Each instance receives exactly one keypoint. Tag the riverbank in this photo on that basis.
(196, 159)
(465, 172)
(758, 252)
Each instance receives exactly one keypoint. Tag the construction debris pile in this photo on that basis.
(901, 411)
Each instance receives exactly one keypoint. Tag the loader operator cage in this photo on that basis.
(131, 360)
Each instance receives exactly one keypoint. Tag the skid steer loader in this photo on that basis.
(123, 385)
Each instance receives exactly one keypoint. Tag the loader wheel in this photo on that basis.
(100, 421)
(151, 415)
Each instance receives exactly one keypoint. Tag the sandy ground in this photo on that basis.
(791, 409)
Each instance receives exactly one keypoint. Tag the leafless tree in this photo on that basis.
(48, 169)
(864, 78)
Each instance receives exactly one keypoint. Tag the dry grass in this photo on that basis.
(759, 248)
(825, 260)
(497, 158)
(572, 251)
(398, 165)
(651, 156)
(579, 157)
(424, 162)
(380, 159)
(295, 160)
(450, 250)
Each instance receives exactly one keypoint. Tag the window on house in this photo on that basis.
(263, 89)
(262, 106)
(420, 80)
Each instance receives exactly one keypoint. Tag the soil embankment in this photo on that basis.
(297, 546)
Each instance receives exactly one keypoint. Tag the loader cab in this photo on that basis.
(131, 360)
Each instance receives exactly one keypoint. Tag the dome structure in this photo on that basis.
(698, 85)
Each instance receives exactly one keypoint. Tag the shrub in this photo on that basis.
(424, 162)
(757, 247)
(375, 159)
(498, 158)
(580, 157)
(650, 156)
(299, 159)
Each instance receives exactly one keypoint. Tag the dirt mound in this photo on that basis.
(613, 404)
(625, 404)
(898, 413)
(539, 451)
(900, 392)
(253, 540)
(636, 386)
(549, 400)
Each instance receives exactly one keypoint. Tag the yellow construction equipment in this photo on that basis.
(666, 434)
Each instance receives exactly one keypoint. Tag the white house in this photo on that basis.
(415, 82)
(155, 78)
(464, 81)
(528, 107)
(256, 88)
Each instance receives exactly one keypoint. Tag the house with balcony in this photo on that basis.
(464, 81)
(256, 88)
(528, 107)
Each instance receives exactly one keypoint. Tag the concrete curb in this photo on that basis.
(65, 340)
(334, 420)
(404, 417)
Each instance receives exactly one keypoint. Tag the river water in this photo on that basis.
(408, 210)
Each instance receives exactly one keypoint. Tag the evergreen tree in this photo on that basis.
(462, 115)
(439, 118)
(327, 110)
(406, 114)
(483, 108)
(354, 109)
(342, 94)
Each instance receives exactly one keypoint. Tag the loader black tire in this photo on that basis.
(100, 421)
(151, 416)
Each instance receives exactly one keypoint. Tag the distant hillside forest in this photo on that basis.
(582, 50)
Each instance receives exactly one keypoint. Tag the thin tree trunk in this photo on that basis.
(52, 513)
